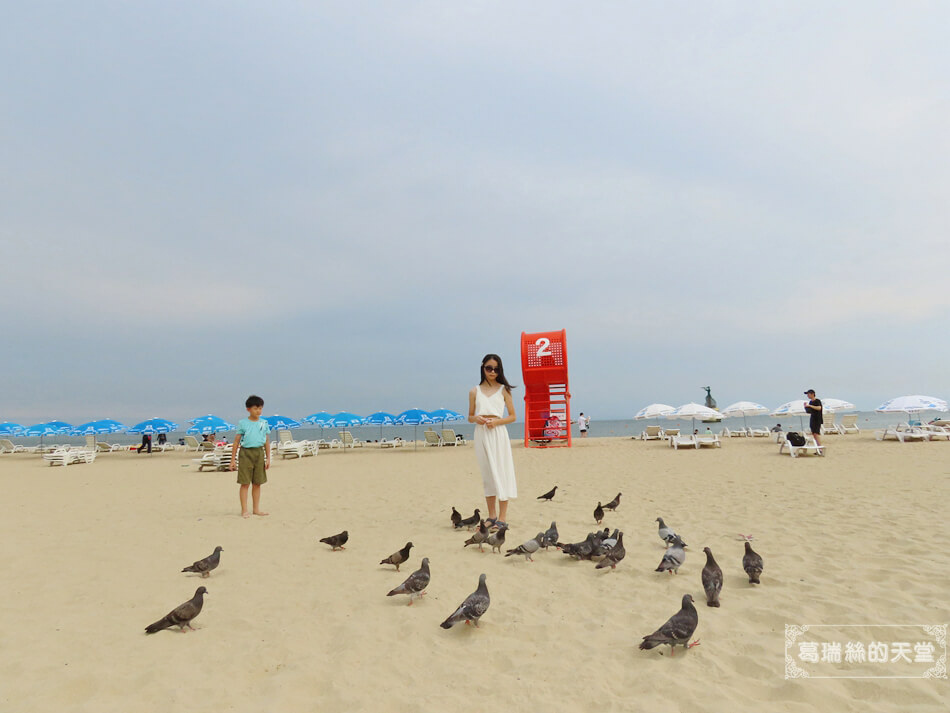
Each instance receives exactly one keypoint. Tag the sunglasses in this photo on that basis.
(492, 369)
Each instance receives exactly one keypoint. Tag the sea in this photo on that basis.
(608, 428)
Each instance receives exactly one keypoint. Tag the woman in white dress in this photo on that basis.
(487, 404)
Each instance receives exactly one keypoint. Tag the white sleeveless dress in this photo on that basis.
(493, 447)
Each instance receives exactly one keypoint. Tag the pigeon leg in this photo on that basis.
(205, 575)
(695, 643)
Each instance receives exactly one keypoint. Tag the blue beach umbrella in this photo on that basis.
(445, 414)
(413, 417)
(154, 425)
(344, 419)
(380, 418)
(60, 426)
(209, 424)
(8, 428)
(319, 419)
(104, 425)
(41, 430)
(277, 422)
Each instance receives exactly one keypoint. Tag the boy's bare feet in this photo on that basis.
(261, 512)
(245, 514)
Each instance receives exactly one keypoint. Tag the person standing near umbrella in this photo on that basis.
(254, 441)
(815, 408)
(487, 403)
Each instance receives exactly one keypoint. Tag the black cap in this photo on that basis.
(810, 391)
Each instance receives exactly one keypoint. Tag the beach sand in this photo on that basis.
(93, 553)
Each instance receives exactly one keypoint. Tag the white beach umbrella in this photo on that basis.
(836, 405)
(744, 409)
(653, 411)
(693, 411)
(912, 404)
(791, 408)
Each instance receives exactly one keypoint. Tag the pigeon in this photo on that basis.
(497, 539)
(336, 541)
(666, 533)
(415, 584)
(479, 536)
(712, 579)
(456, 518)
(614, 555)
(611, 540)
(550, 536)
(612, 505)
(599, 513)
(204, 567)
(472, 609)
(528, 548)
(469, 522)
(548, 495)
(397, 558)
(677, 629)
(584, 550)
(752, 564)
(674, 557)
(181, 615)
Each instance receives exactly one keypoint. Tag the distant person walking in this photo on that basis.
(816, 410)
(487, 403)
(146, 443)
(583, 423)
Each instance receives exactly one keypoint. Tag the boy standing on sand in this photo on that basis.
(254, 441)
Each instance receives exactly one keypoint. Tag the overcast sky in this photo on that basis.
(344, 206)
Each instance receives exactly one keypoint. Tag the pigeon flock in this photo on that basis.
(604, 547)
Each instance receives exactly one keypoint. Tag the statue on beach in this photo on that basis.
(710, 401)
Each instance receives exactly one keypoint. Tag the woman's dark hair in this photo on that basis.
(499, 377)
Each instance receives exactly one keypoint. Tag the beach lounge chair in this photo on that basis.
(193, 444)
(651, 433)
(936, 431)
(218, 459)
(451, 438)
(347, 440)
(62, 456)
(432, 438)
(687, 441)
(709, 440)
(732, 432)
(810, 448)
(6, 446)
(669, 433)
(902, 433)
(828, 425)
(297, 449)
(759, 432)
(849, 423)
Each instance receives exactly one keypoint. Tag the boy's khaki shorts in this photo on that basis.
(251, 466)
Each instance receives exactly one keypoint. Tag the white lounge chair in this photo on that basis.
(347, 440)
(828, 425)
(651, 433)
(902, 433)
(669, 433)
(6, 446)
(193, 444)
(432, 439)
(688, 441)
(733, 432)
(759, 433)
(936, 431)
(709, 440)
(63, 456)
(849, 423)
(297, 449)
(218, 459)
(810, 447)
(451, 438)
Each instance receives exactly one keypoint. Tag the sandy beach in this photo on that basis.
(93, 553)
